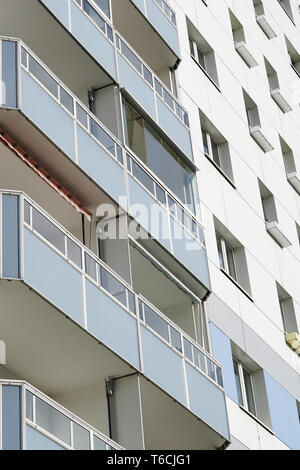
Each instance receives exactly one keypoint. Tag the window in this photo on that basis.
(244, 387)
(226, 257)
(290, 165)
(202, 53)
(286, 5)
(262, 20)
(289, 321)
(294, 56)
(275, 91)
(298, 232)
(272, 221)
(254, 123)
(156, 154)
(216, 148)
(240, 41)
(232, 258)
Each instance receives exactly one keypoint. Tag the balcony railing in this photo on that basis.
(43, 423)
(56, 111)
(161, 105)
(53, 263)
(151, 79)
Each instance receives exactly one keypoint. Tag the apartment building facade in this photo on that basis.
(150, 224)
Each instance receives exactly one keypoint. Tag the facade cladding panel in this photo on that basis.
(169, 317)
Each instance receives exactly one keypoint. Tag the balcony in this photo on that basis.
(42, 115)
(45, 117)
(273, 228)
(172, 224)
(265, 26)
(149, 25)
(72, 293)
(150, 94)
(99, 39)
(32, 421)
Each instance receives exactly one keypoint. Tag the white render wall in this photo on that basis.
(240, 209)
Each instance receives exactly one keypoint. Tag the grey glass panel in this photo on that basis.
(160, 194)
(90, 267)
(35, 440)
(82, 116)
(9, 74)
(104, 6)
(53, 421)
(81, 437)
(119, 154)
(109, 33)
(44, 77)
(142, 176)
(175, 339)
(94, 15)
(29, 405)
(27, 212)
(10, 236)
(201, 59)
(220, 253)
(157, 323)
(230, 261)
(211, 369)
(99, 444)
(215, 151)
(66, 100)
(48, 230)
(103, 137)
(199, 359)
(238, 383)
(133, 59)
(113, 286)
(219, 376)
(187, 349)
(131, 302)
(249, 391)
(141, 310)
(11, 417)
(24, 56)
(168, 99)
(147, 75)
(74, 252)
(158, 88)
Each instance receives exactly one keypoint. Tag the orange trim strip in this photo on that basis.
(42, 173)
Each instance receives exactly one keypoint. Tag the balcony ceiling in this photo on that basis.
(47, 38)
(135, 28)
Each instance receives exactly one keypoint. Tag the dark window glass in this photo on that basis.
(102, 136)
(66, 100)
(188, 349)
(48, 230)
(142, 176)
(133, 59)
(158, 324)
(113, 286)
(9, 74)
(147, 75)
(23, 57)
(27, 212)
(175, 339)
(94, 15)
(81, 437)
(74, 252)
(90, 267)
(131, 302)
(44, 77)
(53, 421)
(29, 405)
(104, 6)
(82, 116)
(147, 144)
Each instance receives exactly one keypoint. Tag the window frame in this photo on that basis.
(224, 244)
(240, 369)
